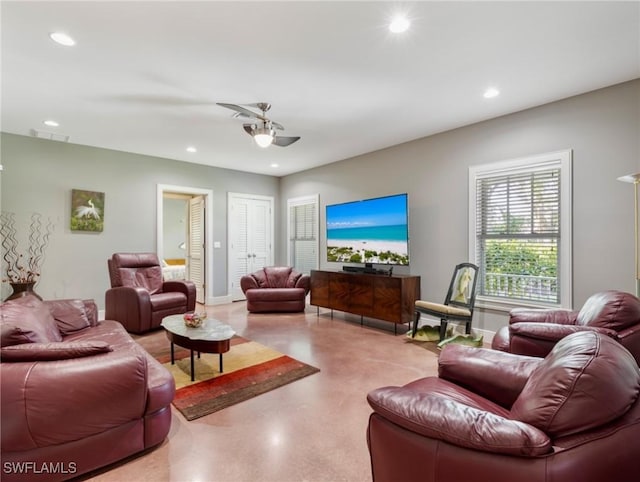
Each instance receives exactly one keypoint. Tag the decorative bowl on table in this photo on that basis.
(194, 320)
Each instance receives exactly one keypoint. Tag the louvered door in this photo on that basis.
(250, 237)
(196, 258)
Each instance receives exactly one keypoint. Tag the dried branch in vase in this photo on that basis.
(16, 268)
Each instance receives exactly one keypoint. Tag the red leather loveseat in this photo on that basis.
(77, 393)
(573, 416)
(274, 289)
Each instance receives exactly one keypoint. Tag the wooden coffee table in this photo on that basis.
(212, 337)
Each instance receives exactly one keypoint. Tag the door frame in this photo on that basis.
(208, 245)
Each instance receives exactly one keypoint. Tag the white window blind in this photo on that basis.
(303, 233)
(518, 229)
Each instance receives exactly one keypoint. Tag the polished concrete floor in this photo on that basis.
(313, 429)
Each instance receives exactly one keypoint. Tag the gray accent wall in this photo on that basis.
(39, 174)
(603, 130)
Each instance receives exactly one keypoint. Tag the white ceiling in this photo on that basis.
(144, 77)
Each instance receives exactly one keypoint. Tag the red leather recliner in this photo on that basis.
(139, 298)
(499, 417)
(535, 332)
(275, 289)
(77, 393)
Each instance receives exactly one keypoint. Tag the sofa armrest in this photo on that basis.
(46, 403)
(248, 282)
(304, 282)
(496, 375)
(527, 315)
(441, 418)
(553, 332)
(182, 286)
(131, 306)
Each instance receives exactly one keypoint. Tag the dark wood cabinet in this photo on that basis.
(389, 298)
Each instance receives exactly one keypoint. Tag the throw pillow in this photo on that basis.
(27, 320)
(52, 351)
(70, 315)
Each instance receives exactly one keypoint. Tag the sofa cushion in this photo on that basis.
(165, 301)
(615, 310)
(278, 276)
(276, 294)
(52, 351)
(70, 315)
(27, 320)
(586, 381)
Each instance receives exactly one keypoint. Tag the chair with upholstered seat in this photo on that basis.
(573, 416)
(458, 304)
(139, 298)
(275, 289)
(535, 332)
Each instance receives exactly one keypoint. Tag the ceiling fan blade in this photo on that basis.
(242, 110)
(284, 141)
(249, 128)
(277, 125)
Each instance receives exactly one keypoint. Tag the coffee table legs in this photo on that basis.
(193, 370)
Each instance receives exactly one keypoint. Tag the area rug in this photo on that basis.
(250, 369)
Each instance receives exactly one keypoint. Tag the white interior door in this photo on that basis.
(250, 237)
(195, 253)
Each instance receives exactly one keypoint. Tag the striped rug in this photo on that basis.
(250, 369)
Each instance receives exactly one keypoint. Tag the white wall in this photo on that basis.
(39, 175)
(602, 128)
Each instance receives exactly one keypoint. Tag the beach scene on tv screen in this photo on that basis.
(370, 231)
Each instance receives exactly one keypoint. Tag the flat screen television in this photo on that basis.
(371, 231)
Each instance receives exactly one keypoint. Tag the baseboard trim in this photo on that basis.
(219, 300)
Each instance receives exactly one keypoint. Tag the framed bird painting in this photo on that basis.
(87, 211)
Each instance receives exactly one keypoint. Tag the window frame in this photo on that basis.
(313, 199)
(561, 160)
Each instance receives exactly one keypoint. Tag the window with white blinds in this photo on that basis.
(520, 230)
(303, 233)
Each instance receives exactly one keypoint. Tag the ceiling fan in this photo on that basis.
(263, 132)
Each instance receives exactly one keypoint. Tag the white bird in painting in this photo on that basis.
(88, 211)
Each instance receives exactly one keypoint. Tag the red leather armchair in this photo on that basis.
(535, 332)
(77, 394)
(499, 417)
(139, 297)
(274, 289)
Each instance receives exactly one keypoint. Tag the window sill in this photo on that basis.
(505, 306)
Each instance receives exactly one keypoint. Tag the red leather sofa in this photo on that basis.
(535, 332)
(139, 298)
(275, 289)
(77, 394)
(573, 416)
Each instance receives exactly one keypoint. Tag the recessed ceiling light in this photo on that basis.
(51, 123)
(490, 93)
(399, 24)
(275, 165)
(62, 38)
(191, 149)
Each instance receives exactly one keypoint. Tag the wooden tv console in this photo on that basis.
(389, 298)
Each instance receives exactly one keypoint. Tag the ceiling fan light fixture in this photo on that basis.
(263, 136)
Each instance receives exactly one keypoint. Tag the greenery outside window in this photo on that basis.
(302, 233)
(520, 231)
